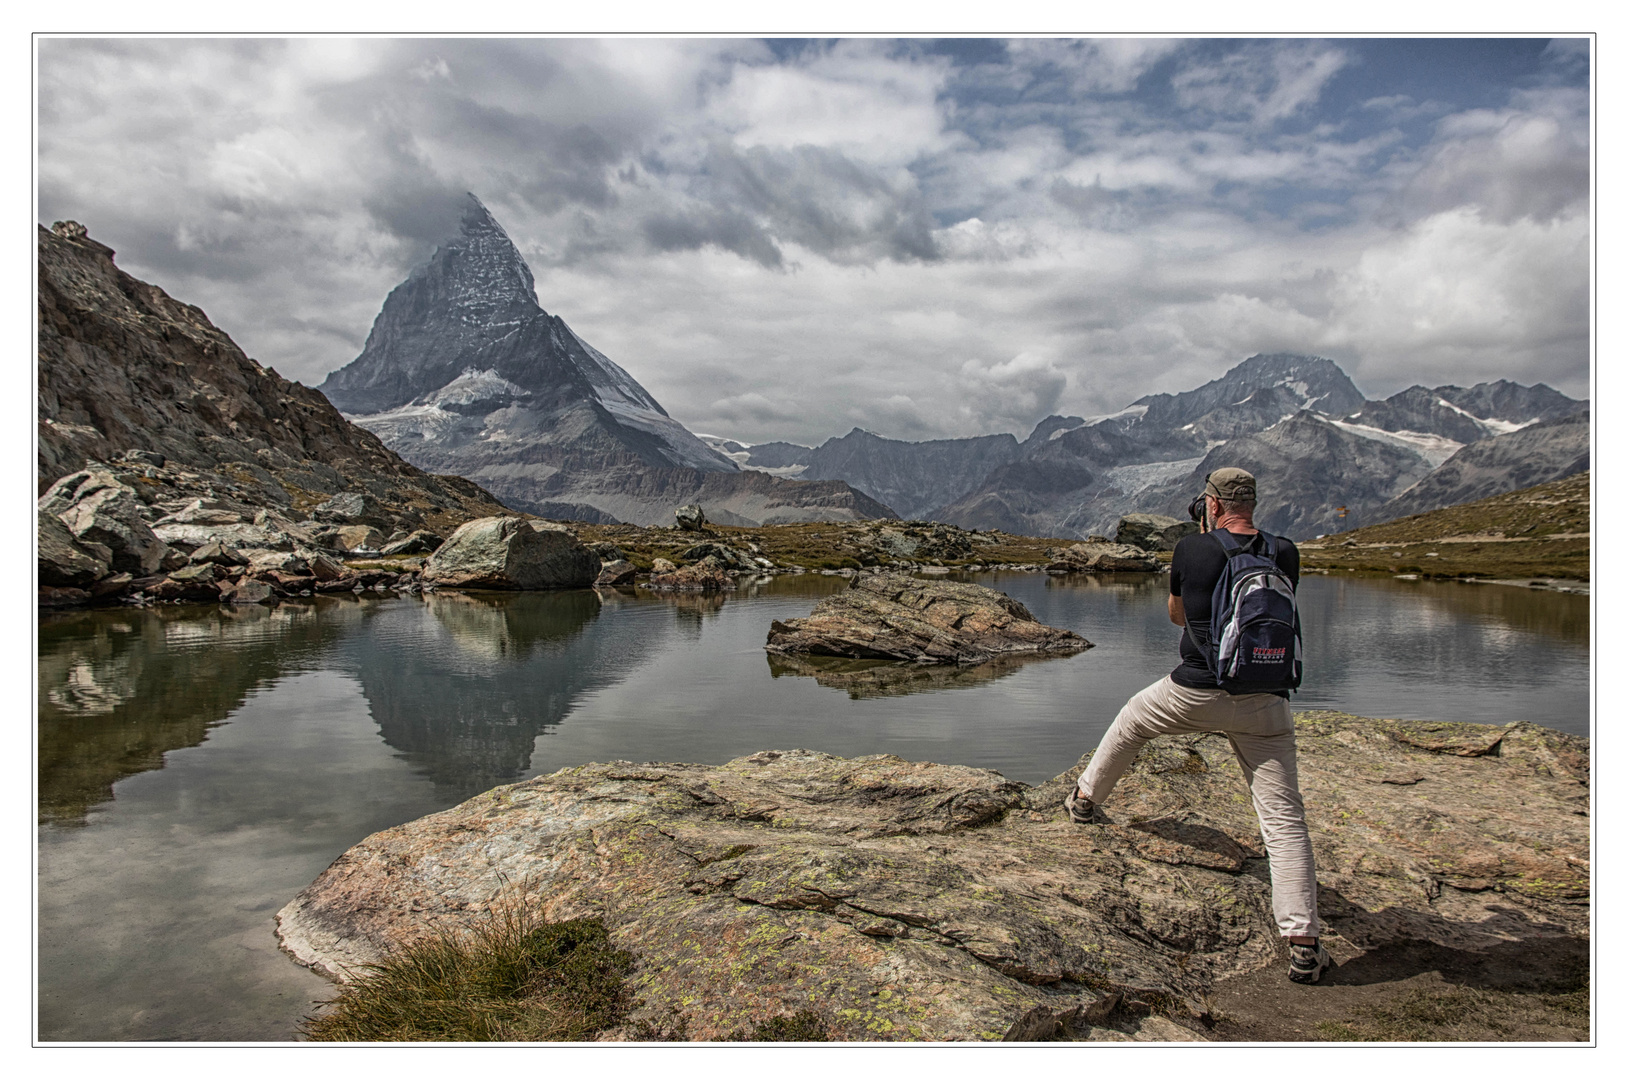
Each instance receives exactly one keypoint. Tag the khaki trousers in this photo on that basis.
(1261, 730)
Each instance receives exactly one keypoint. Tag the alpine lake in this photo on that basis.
(200, 765)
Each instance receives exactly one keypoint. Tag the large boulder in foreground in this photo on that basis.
(907, 900)
(63, 561)
(1152, 532)
(1100, 557)
(895, 617)
(102, 511)
(511, 553)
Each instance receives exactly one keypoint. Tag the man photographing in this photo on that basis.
(1236, 683)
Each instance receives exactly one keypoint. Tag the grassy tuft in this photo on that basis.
(804, 1025)
(508, 980)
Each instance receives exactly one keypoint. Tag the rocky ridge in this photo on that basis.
(159, 438)
(123, 366)
(901, 900)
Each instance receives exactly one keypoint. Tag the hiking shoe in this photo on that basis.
(1308, 962)
(1081, 811)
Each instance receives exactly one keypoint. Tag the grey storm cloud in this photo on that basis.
(821, 200)
(918, 242)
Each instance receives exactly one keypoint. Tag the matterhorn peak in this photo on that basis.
(465, 372)
(476, 288)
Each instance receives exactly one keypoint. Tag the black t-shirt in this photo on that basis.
(1194, 569)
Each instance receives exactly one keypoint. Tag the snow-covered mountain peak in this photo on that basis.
(464, 367)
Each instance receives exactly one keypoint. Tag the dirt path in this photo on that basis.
(1413, 991)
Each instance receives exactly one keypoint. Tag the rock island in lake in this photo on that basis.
(896, 617)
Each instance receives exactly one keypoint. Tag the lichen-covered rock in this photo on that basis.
(1152, 532)
(895, 617)
(690, 518)
(907, 900)
(511, 553)
(1103, 557)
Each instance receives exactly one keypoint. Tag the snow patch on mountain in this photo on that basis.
(1129, 414)
(1435, 449)
(428, 422)
(473, 386)
(1492, 427)
(739, 453)
(1131, 479)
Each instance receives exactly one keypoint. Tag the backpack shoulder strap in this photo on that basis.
(1225, 539)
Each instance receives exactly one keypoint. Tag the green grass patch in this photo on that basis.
(1541, 531)
(507, 980)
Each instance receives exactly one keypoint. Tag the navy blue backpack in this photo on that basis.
(1254, 622)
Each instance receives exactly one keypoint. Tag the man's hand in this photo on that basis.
(1178, 614)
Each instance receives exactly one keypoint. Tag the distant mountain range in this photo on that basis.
(1327, 458)
(464, 372)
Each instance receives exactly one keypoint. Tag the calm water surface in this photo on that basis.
(201, 765)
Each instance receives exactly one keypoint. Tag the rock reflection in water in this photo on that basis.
(512, 626)
(119, 688)
(882, 678)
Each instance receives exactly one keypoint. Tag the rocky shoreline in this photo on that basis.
(140, 530)
(903, 900)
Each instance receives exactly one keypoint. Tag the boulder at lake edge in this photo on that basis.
(907, 900)
(1152, 532)
(511, 553)
(1103, 557)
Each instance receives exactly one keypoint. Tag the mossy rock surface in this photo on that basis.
(881, 899)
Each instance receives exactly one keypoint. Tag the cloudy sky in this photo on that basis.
(786, 239)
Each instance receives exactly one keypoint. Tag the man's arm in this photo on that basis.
(1178, 570)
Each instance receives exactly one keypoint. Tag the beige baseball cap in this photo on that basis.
(1233, 485)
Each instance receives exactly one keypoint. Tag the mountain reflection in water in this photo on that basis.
(463, 696)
